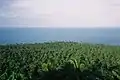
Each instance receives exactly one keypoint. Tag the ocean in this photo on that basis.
(39, 35)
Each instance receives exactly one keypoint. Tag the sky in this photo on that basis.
(60, 13)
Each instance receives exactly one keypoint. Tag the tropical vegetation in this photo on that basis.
(59, 61)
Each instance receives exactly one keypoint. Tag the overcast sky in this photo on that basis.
(59, 13)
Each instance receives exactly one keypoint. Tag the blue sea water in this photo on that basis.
(39, 35)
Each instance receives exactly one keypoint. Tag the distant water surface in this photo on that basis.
(39, 35)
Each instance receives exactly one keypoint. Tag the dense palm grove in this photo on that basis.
(59, 61)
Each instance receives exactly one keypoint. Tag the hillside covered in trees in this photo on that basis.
(59, 61)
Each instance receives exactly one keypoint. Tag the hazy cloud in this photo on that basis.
(61, 13)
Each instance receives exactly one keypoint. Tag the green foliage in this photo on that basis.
(59, 61)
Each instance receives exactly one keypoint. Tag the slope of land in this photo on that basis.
(59, 61)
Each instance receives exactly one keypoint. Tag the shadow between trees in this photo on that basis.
(69, 72)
